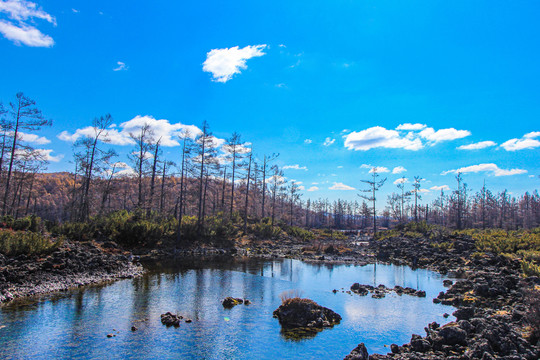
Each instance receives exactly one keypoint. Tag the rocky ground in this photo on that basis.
(72, 265)
(494, 302)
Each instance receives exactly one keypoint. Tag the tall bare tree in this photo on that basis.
(23, 115)
(374, 185)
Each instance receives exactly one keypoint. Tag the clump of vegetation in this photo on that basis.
(289, 295)
(13, 243)
(532, 299)
(299, 233)
(265, 230)
(30, 223)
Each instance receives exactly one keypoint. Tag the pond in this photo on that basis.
(75, 324)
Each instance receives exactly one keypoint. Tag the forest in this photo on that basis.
(212, 182)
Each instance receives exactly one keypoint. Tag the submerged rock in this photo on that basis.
(305, 313)
(229, 302)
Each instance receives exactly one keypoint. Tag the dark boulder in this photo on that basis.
(229, 302)
(358, 353)
(305, 313)
(464, 313)
(453, 335)
(170, 319)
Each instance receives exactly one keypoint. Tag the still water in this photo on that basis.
(75, 324)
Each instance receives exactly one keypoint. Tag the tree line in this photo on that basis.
(211, 179)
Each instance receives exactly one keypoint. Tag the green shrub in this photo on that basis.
(14, 243)
(299, 233)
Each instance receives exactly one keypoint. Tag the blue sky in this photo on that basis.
(326, 84)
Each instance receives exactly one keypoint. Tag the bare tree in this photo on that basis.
(374, 186)
(23, 116)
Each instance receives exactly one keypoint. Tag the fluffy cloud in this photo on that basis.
(340, 186)
(439, 188)
(402, 180)
(379, 137)
(32, 138)
(443, 134)
(121, 66)
(372, 169)
(295, 167)
(41, 154)
(491, 168)
(161, 128)
(308, 141)
(528, 141)
(313, 188)
(18, 30)
(411, 127)
(224, 63)
(477, 146)
(398, 170)
(328, 141)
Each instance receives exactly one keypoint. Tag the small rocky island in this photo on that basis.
(298, 316)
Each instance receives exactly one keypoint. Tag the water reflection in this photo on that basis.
(76, 324)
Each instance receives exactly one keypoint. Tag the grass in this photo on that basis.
(13, 243)
(291, 296)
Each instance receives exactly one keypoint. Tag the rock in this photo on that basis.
(447, 282)
(110, 335)
(446, 315)
(394, 348)
(229, 302)
(247, 302)
(304, 313)
(133, 328)
(188, 321)
(464, 313)
(452, 335)
(358, 353)
(170, 319)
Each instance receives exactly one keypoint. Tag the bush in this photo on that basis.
(300, 233)
(265, 230)
(13, 243)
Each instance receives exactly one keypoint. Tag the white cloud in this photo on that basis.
(121, 66)
(531, 176)
(401, 181)
(224, 63)
(24, 34)
(379, 137)
(379, 169)
(32, 138)
(477, 146)
(313, 188)
(161, 128)
(439, 188)
(22, 10)
(301, 187)
(443, 134)
(308, 141)
(295, 167)
(411, 127)
(341, 186)
(328, 141)
(372, 169)
(75, 11)
(20, 32)
(491, 168)
(340, 167)
(46, 154)
(398, 170)
(528, 141)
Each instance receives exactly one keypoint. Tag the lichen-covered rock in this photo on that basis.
(305, 313)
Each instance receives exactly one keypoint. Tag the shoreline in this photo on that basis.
(489, 294)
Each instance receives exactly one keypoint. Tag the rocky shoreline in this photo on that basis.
(72, 265)
(494, 306)
(493, 300)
